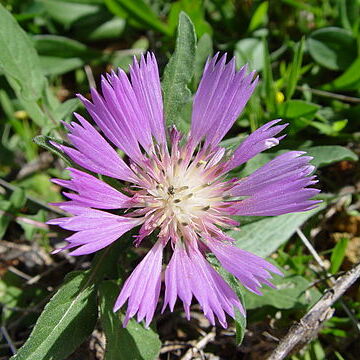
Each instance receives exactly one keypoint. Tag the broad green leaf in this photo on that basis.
(263, 237)
(19, 60)
(57, 66)
(71, 314)
(133, 342)
(110, 29)
(332, 47)
(179, 71)
(67, 320)
(293, 109)
(66, 12)
(349, 80)
(325, 155)
(140, 11)
(260, 16)
(61, 46)
(67, 108)
(250, 51)
(59, 54)
(291, 292)
(338, 254)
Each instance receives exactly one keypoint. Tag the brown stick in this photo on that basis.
(308, 327)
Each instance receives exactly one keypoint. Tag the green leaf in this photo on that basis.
(325, 155)
(268, 87)
(59, 54)
(67, 108)
(18, 198)
(58, 66)
(349, 80)
(133, 342)
(19, 60)
(332, 47)
(195, 10)
(250, 51)
(45, 142)
(204, 49)
(338, 254)
(61, 46)
(5, 218)
(260, 16)
(290, 293)
(110, 29)
(67, 320)
(263, 237)
(179, 71)
(71, 314)
(240, 320)
(349, 15)
(293, 109)
(66, 12)
(140, 11)
(295, 69)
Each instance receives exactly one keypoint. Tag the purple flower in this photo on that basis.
(177, 187)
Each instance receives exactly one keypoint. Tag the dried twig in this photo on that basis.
(90, 76)
(331, 280)
(331, 95)
(307, 328)
(8, 339)
(199, 345)
(40, 203)
(42, 162)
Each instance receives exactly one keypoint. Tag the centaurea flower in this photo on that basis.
(177, 187)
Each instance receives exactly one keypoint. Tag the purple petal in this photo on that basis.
(94, 153)
(219, 100)
(93, 192)
(142, 288)
(146, 84)
(251, 270)
(95, 229)
(260, 140)
(190, 274)
(130, 113)
(279, 187)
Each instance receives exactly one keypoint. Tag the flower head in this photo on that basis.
(176, 187)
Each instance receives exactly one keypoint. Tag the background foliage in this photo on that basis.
(307, 54)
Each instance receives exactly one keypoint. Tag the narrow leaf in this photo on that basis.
(338, 254)
(295, 69)
(179, 71)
